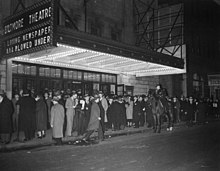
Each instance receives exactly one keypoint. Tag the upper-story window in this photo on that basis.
(95, 27)
(116, 33)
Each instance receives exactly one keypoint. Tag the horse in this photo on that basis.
(159, 110)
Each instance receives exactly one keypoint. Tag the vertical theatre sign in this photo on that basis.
(30, 30)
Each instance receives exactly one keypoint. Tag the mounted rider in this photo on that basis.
(161, 94)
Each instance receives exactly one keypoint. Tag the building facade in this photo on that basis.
(94, 49)
(184, 29)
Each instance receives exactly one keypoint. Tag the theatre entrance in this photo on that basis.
(40, 78)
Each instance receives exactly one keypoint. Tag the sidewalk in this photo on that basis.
(47, 141)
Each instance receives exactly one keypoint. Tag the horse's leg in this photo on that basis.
(159, 118)
(171, 121)
(155, 123)
(168, 121)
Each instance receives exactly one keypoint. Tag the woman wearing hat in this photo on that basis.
(57, 120)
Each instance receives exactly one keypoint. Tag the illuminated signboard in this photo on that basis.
(30, 30)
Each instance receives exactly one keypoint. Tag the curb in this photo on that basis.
(70, 142)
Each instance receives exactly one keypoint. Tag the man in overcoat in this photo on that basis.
(57, 120)
(27, 115)
(6, 111)
(136, 112)
(94, 122)
(41, 116)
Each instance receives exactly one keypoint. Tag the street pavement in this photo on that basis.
(192, 149)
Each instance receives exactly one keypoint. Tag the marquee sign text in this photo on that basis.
(30, 30)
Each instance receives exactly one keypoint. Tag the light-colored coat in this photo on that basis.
(105, 107)
(95, 114)
(70, 113)
(57, 120)
(129, 110)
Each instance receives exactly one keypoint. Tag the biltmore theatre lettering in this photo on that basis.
(32, 19)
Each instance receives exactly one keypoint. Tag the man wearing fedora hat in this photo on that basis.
(94, 122)
(6, 111)
(57, 120)
(27, 115)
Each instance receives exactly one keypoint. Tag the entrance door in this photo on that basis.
(77, 86)
(88, 88)
(24, 83)
(120, 89)
(129, 90)
(44, 84)
(67, 84)
(30, 84)
(17, 84)
(105, 88)
(56, 84)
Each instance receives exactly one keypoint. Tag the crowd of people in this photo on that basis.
(69, 113)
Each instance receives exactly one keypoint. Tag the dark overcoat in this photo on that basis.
(136, 110)
(6, 111)
(202, 111)
(87, 114)
(95, 114)
(27, 113)
(110, 113)
(190, 108)
(102, 115)
(123, 113)
(41, 115)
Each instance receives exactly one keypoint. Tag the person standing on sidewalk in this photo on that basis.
(6, 111)
(104, 108)
(95, 121)
(48, 101)
(57, 120)
(70, 105)
(27, 115)
(136, 111)
(129, 111)
(190, 111)
(176, 110)
(41, 116)
(15, 116)
(148, 110)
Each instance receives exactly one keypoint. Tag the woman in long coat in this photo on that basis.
(129, 111)
(41, 116)
(6, 111)
(57, 121)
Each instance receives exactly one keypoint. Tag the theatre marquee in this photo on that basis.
(30, 30)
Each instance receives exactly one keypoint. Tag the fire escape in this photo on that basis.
(159, 28)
